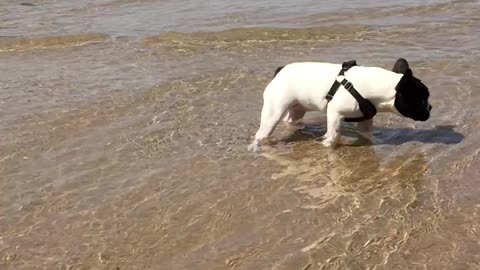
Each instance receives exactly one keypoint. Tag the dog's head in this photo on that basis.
(411, 99)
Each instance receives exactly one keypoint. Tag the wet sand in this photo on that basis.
(125, 125)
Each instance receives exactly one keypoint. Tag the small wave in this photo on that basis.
(191, 42)
(26, 44)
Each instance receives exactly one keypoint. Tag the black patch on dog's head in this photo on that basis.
(401, 66)
(412, 96)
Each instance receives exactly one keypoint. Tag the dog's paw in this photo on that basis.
(327, 143)
(254, 147)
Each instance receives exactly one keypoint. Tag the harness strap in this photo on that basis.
(345, 66)
(366, 107)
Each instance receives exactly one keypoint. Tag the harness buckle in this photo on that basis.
(348, 85)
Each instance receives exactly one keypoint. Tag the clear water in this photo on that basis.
(125, 123)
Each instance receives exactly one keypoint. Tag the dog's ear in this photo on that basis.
(401, 66)
(408, 74)
(405, 81)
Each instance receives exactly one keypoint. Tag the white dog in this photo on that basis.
(362, 91)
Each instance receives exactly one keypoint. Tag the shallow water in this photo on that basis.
(125, 123)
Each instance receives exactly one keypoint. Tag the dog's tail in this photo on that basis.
(278, 70)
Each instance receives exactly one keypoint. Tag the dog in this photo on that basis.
(303, 86)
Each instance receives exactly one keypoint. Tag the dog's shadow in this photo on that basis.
(437, 135)
(386, 136)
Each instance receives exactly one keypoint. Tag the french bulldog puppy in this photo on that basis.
(300, 87)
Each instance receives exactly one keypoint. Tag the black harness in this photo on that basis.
(366, 107)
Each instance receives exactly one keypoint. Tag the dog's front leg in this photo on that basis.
(334, 121)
